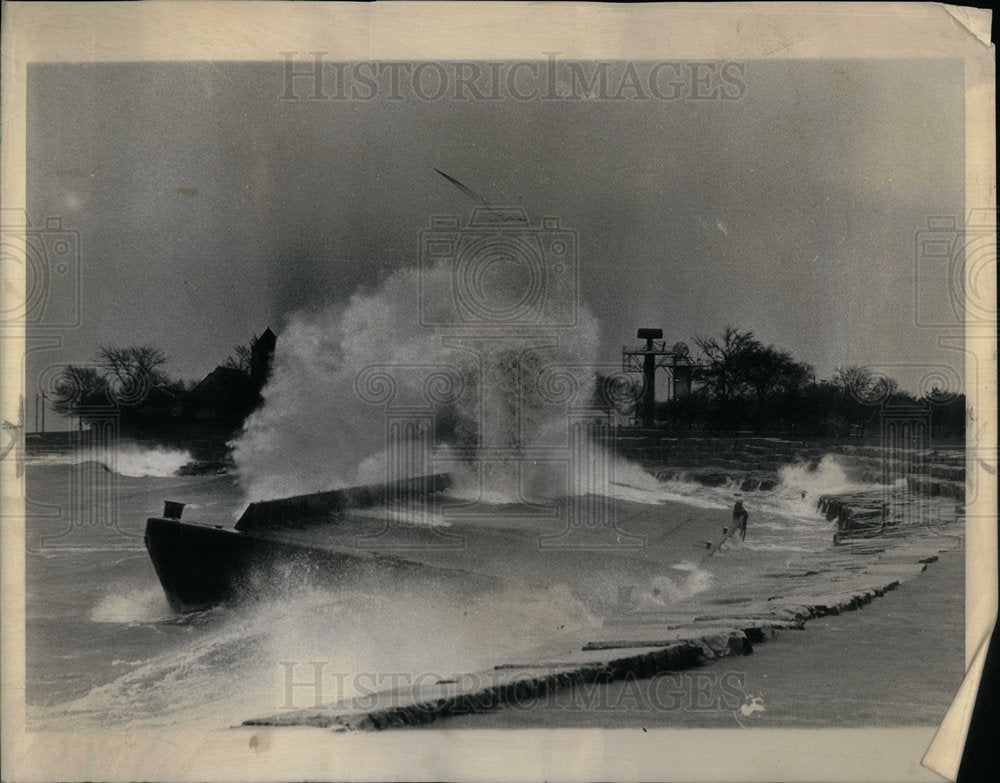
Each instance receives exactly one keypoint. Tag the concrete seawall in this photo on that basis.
(753, 464)
(693, 632)
(885, 537)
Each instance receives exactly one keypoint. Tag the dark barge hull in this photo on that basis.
(202, 565)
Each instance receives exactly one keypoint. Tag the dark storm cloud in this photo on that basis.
(209, 208)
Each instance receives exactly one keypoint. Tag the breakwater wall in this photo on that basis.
(754, 464)
(690, 633)
(909, 513)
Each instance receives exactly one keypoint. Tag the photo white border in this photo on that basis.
(254, 31)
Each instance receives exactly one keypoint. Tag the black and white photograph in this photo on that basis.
(496, 391)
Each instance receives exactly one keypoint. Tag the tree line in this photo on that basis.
(743, 385)
(129, 384)
(739, 385)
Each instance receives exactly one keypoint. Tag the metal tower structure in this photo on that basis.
(647, 358)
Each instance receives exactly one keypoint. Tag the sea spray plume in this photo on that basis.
(314, 431)
(512, 411)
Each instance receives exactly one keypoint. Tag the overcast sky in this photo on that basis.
(209, 209)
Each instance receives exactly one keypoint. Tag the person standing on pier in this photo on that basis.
(740, 517)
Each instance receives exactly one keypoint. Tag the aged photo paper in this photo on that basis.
(496, 391)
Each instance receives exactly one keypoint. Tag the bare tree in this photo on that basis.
(133, 371)
(724, 372)
(864, 392)
(884, 389)
(854, 380)
(770, 370)
(77, 387)
(240, 357)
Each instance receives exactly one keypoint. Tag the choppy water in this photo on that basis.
(105, 650)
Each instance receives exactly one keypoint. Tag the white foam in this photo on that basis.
(134, 460)
(124, 605)
(234, 665)
(125, 459)
(664, 590)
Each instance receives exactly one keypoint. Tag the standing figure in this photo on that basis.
(740, 517)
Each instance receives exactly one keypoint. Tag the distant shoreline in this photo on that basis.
(747, 460)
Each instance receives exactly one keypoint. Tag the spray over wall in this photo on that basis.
(339, 370)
